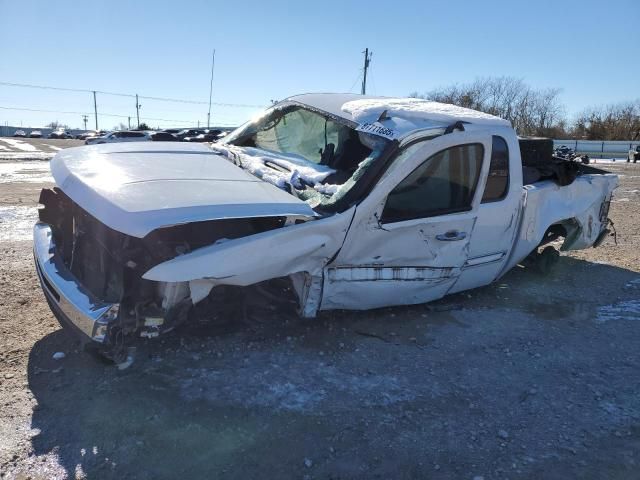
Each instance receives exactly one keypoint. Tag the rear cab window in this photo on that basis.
(497, 185)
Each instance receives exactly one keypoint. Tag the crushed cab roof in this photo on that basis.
(403, 115)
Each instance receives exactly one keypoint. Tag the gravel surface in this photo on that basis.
(532, 377)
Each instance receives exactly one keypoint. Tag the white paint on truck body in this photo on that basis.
(351, 259)
(392, 251)
(136, 188)
(578, 207)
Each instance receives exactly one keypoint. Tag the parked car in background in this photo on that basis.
(125, 136)
(634, 155)
(60, 133)
(85, 135)
(172, 131)
(190, 132)
(35, 134)
(163, 137)
(19, 133)
(208, 136)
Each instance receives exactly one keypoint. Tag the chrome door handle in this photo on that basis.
(451, 236)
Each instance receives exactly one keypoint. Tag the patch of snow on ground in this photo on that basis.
(16, 223)
(19, 145)
(26, 171)
(626, 310)
(633, 283)
(273, 383)
(37, 155)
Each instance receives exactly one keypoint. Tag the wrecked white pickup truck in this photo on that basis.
(358, 202)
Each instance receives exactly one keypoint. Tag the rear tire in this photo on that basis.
(547, 260)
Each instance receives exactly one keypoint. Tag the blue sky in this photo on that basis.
(269, 50)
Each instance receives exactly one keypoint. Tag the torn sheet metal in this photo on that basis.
(576, 206)
(365, 288)
(306, 247)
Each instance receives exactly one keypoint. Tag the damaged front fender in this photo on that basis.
(305, 247)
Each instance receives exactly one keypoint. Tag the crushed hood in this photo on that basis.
(135, 188)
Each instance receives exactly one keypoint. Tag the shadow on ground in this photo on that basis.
(520, 379)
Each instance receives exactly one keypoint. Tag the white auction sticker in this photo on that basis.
(377, 128)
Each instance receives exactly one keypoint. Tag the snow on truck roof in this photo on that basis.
(403, 115)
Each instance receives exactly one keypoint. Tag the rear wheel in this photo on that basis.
(547, 260)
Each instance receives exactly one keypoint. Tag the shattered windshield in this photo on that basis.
(312, 155)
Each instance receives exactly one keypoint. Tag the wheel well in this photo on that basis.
(554, 232)
(566, 229)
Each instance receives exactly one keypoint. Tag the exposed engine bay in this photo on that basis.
(111, 264)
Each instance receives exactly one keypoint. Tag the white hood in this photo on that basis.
(135, 188)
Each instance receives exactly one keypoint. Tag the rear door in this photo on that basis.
(410, 237)
(498, 215)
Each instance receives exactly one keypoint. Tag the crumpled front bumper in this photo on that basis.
(71, 303)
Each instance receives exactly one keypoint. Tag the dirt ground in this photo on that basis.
(532, 377)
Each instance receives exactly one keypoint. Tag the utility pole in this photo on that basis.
(95, 108)
(129, 120)
(84, 119)
(213, 62)
(367, 59)
(138, 110)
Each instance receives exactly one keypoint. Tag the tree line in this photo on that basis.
(539, 112)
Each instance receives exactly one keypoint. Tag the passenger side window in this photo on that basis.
(498, 179)
(444, 183)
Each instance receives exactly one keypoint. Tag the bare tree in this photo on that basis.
(539, 111)
(530, 111)
(610, 122)
(56, 125)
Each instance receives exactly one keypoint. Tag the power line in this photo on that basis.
(373, 83)
(130, 95)
(103, 114)
(213, 62)
(355, 81)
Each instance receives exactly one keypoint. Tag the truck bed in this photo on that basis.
(539, 163)
(580, 208)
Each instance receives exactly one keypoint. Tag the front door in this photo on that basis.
(409, 238)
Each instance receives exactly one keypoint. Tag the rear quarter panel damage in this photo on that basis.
(576, 206)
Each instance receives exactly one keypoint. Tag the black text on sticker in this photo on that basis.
(377, 129)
